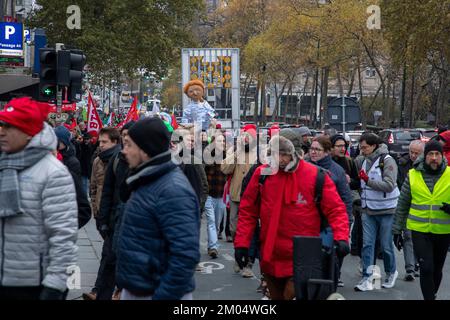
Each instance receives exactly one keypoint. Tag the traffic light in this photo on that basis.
(77, 62)
(47, 75)
(70, 73)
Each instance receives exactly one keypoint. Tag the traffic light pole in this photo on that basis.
(58, 47)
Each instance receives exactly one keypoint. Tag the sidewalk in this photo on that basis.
(89, 253)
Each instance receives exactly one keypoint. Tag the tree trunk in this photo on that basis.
(352, 82)
(338, 75)
(256, 111)
(361, 99)
(411, 107)
(244, 111)
(403, 98)
(288, 100)
(299, 110)
(313, 114)
(324, 96)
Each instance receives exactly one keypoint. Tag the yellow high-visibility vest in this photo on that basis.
(425, 214)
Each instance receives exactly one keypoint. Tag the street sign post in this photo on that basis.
(11, 39)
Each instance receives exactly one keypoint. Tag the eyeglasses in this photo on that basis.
(315, 150)
(364, 147)
(339, 146)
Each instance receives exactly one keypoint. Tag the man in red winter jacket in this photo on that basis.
(286, 208)
(444, 138)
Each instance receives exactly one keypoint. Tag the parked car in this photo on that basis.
(427, 134)
(398, 140)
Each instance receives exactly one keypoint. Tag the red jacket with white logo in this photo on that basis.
(287, 209)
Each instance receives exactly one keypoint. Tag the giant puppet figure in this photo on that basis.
(198, 110)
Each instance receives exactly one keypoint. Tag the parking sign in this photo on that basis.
(11, 39)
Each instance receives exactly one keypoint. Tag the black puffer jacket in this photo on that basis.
(72, 163)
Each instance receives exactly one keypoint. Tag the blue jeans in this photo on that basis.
(219, 210)
(378, 226)
(211, 223)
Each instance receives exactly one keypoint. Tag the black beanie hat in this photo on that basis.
(337, 137)
(432, 145)
(151, 135)
(127, 125)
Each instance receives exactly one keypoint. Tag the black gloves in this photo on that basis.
(51, 294)
(342, 248)
(445, 207)
(398, 241)
(241, 256)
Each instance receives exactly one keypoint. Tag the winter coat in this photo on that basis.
(196, 175)
(98, 176)
(338, 176)
(446, 136)
(158, 246)
(349, 166)
(404, 165)
(389, 182)
(84, 153)
(111, 206)
(38, 246)
(238, 171)
(404, 201)
(297, 218)
(72, 163)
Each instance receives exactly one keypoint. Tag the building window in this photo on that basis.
(370, 73)
(19, 3)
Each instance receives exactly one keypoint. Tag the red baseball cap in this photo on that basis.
(25, 114)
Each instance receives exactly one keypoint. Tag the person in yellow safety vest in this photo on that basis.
(424, 208)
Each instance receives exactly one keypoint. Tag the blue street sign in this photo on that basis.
(11, 39)
(27, 35)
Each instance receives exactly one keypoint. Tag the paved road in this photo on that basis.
(217, 280)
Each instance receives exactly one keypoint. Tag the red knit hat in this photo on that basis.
(251, 129)
(25, 114)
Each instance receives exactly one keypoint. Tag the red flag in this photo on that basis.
(133, 112)
(94, 124)
(174, 122)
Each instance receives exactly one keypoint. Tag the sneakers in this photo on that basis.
(213, 253)
(389, 282)
(219, 236)
(90, 296)
(410, 276)
(340, 283)
(364, 285)
(229, 239)
(247, 272)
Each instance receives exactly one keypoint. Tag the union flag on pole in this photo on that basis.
(94, 124)
(133, 112)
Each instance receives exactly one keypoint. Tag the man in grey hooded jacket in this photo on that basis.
(38, 208)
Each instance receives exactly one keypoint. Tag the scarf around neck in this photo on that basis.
(10, 166)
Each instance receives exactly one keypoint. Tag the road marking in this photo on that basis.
(227, 257)
(207, 267)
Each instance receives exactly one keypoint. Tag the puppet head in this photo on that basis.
(195, 89)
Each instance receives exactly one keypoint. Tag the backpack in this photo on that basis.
(318, 192)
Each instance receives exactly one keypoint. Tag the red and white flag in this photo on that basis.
(94, 124)
(133, 112)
